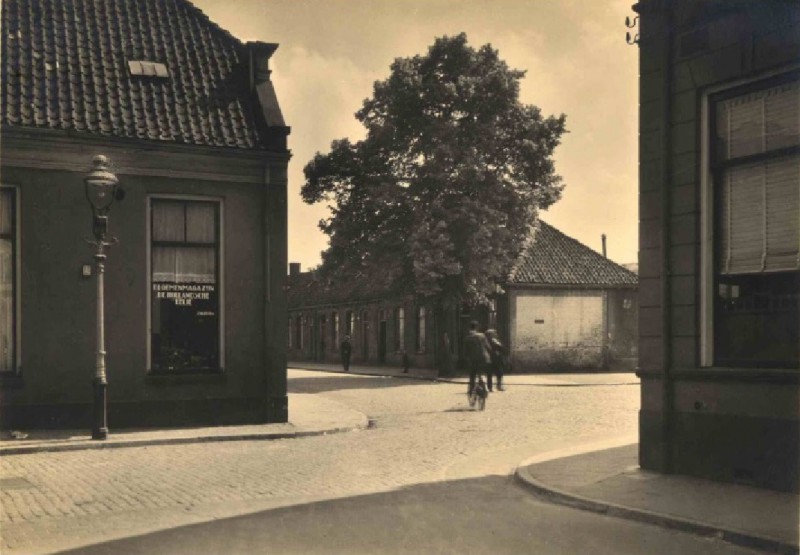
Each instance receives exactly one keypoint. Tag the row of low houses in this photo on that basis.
(564, 307)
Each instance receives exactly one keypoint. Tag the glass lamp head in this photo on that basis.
(101, 185)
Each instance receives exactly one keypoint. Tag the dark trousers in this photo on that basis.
(346, 362)
(497, 370)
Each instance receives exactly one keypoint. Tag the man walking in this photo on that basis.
(345, 349)
(477, 353)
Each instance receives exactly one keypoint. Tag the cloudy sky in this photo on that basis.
(577, 61)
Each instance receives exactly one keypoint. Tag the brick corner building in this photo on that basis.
(195, 303)
(719, 265)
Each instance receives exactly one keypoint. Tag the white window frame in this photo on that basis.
(17, 282)
(400, 322)
(707, 211)
(149, 281)
(422, 332)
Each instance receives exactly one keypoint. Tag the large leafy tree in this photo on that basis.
(442, 193)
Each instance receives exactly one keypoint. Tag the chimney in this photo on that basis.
(259, 54)
(272, 126)
(294, 268)
(604, 245)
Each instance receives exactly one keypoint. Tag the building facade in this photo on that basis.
(569, 308)
(194, 298)
(565, 307)
(720, 239)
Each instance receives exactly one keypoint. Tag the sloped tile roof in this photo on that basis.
(552, 258)
(308, 289)
(65, 66)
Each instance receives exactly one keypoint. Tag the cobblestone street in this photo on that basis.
(423, 432)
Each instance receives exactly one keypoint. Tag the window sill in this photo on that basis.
(186, 377)
(11, 381)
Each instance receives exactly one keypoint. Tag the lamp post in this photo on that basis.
(101, 189)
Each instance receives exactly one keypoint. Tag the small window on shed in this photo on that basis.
(148, 69)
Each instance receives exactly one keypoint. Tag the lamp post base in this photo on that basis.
(100, 427)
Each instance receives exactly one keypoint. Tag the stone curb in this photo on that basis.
(744, 539)
(83, 446)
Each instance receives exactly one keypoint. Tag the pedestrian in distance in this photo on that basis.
(345, 349)
(498, 363)
(477, 353)
(406, 362)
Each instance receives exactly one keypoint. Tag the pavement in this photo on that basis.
(603, 478)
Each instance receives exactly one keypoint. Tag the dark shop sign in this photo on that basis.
(183, 294)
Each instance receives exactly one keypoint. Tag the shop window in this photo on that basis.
(399, 329)
(421, 329)
(755, 168)
(9, 235)
(185, 309)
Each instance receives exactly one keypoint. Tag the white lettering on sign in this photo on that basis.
(183, 294)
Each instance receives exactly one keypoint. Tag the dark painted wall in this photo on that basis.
(58, 309)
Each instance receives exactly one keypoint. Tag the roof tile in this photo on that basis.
(552, 258)
(65, 66)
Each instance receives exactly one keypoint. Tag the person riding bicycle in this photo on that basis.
(477, 353)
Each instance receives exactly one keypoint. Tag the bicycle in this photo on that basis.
(478, 394)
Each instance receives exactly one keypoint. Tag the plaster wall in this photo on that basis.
(557, 330)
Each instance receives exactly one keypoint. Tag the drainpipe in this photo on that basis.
(668, 396)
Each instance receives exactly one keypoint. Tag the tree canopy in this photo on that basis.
(443, 191)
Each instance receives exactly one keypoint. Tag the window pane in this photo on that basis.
(6, 305)
(168, 221)
(195, 265)
(201, 222)
(6, 204)
(760, 217)
(759, 121)
(742, 219)
(756, 320)
(783, 214)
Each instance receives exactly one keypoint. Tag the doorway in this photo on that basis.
(382, 342)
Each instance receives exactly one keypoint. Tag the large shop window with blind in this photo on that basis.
(185, 325)
(756, 173)
(8, 280)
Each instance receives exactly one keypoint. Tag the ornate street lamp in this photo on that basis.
(101, 190)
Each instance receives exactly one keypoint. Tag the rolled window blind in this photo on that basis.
(758, 122)
(760, 200)
(760, 217)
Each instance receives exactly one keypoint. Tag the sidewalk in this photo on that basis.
(430, 374)
(608, 480)
(392, 371)
(309, 415)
